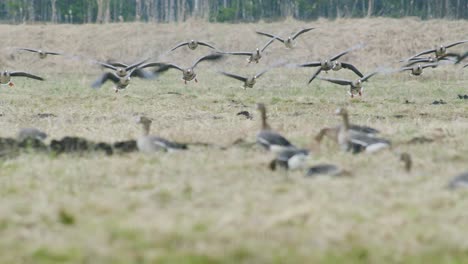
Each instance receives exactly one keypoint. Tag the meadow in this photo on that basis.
(220, 203)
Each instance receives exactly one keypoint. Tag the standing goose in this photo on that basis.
(253, 56)
(192, 44)
(42, 53)
(417, 70)
(188, 74)
(5, 77)
(354, 86)
(330, 64)
(332, 132)
(149, 144)
(289, 41)
(269, 139)
(355, 141)
(441, 51)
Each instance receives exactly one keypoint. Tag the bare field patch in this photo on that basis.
(222, 204)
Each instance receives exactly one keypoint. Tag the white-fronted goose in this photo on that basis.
(253, 56)
(250, 81)
(122, 69)
(120, 82)
(356, 142)
(290, 159)
(42, 53)
(5, 77)
(150, 144)
(289, 41)
(269, 139)
(429, 59)
(193, 44)
(332, 132)
(418, 69)
(460, 181)
(188, 74)
(441, 51)
(354, 86)
(331, 63)
(31, 133)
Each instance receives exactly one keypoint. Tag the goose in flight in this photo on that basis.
(254, 56)
(193, 44)
(354, 86)
(5, 77)
(289, 41)
(42, 53)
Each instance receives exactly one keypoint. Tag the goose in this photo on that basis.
(193, 44)
(417, 70)
(249, 81)
(441, 51)
(120, 82)
(149, 144)
(188, 74)
(354, 86)
(355, 141)
(42, 53)
(5, 77)
(461, 58)
(330, 64)
(332, 132)
(460, 181)
(253, 56)
(289, 41)
(269, 139)
(31, 133)
(122, 69)
(429, 59)
(290, 159)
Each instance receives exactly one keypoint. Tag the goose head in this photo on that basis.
(257, 51)
(341, 111)
(121, 72)
(441, 50)
(146, 122)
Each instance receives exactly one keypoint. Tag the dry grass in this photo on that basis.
(209, 205)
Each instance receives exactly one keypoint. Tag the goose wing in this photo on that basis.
(364, 129)
(107, 65)
(206, 45)
(423, 53)
(168, 145)
(235, 76)
(462, 57)
(103, 78)
(270, 35)
(341, 54)
(267, 44)
(456, 43)
(25, 74)
(430, 65)
(28, 49)
(245, 53)
(351, 67)
(315, 74)
(368, 76)
(337, 81)
(268, 138)
(179, 45)
(301, 32)
(311, 64)
(52, 53)
(141, 73)
(135, 65)
(212, 57)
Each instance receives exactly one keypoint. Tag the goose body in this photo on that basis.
(355, 141)
(151, 144)
(355, 87)
(192, 44)
(269, 139)
(290, 159)
(120, 83)
(289, 42)
(42, 53)
(325, 169)
(5, 77)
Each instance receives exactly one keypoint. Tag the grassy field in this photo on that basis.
(222, 204)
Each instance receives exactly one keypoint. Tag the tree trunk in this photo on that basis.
(54, 11)
(107, 12)
(370, 8)
(137, 10)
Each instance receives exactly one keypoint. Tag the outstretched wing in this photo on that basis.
(365, 78)
(423, 53)
(267, 44)
(337, 81)
(52, 53)
(206, 45)
(179, 45)
(135, 65)
(245, 53)
(301, 32)
(27, 49)
(212, 57)
(235, 76)
(456, 43)
(107, 65)
(103, 78)
(311, 64)
(315, 74)
(405, 69)
(270, 35)
(28, 75)
(351, 67)
(430, 65)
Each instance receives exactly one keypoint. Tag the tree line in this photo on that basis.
(107, 11)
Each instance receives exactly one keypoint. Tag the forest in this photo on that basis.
(109, 11)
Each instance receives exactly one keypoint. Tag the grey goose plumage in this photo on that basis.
(5, 77)
(254, 56)
(355, 87)
(289, 41)
(193, 44)
(269, 139)
(41, 53)
(149, 144)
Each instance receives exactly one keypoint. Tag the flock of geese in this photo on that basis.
(350, 137)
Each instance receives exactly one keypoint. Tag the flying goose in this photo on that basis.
(355, 141)
(149, 144)
(418, 69)
(269, 139)
(122, 69)
(429, 59)
(192, 44)
(253, 56)
(441, 51)
(330, 64)
(188, 74)
(354, 86)
(5, 77)
(249, 81)
(42, 53)
(289, 41)
(120, 82)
